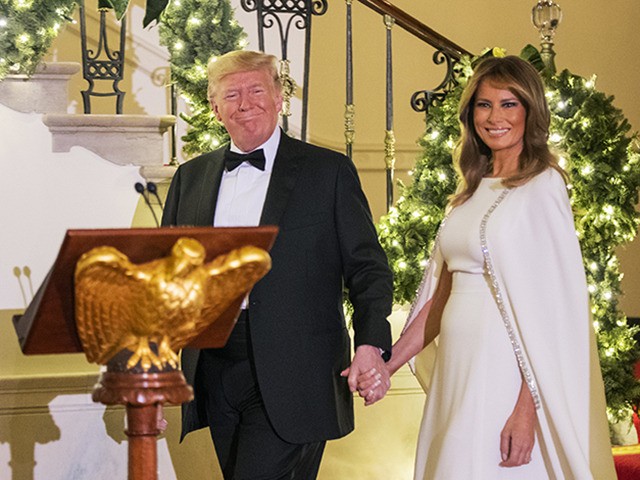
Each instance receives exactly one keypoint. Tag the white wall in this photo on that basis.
(42, 194)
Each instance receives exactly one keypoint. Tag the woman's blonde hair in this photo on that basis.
(472, 157)
(241, 61)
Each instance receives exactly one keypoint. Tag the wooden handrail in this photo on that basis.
(415, 27)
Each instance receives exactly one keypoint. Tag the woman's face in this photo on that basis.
(499, 119)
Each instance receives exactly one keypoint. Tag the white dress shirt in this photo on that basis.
(244, 189)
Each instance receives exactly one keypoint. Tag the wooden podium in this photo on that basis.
(49, 325)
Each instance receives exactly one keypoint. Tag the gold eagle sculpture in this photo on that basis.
(167, 302)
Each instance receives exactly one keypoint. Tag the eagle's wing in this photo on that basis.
(107, 287)
(224, 279)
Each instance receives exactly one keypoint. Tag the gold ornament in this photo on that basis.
(166, 302)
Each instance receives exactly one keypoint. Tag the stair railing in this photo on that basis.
(446, 52)
(285, 15)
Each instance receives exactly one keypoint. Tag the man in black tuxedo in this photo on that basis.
(283, 384)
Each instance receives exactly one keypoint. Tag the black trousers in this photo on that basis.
(247, 446)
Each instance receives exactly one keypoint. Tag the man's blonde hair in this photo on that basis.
(241, 61)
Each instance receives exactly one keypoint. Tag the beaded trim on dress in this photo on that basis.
(497, 293)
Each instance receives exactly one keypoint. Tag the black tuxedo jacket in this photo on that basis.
(327, 240)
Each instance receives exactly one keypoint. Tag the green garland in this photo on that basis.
(604, 170)
(27, 28)
(194, 31)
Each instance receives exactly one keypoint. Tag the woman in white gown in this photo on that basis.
(516, 390)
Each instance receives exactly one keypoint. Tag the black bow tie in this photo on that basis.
(232, 160)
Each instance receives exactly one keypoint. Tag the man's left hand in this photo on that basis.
(368, 374)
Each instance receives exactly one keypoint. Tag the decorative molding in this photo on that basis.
(46, 91)
(158, 173)
(33, 395)
(120, 139)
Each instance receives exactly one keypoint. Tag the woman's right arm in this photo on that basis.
(425, 328)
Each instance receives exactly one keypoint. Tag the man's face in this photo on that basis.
(248, 104)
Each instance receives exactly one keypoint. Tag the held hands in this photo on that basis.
(518, 435)
(368, 374)
(372, 385)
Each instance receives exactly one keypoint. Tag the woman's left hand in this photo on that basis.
(518, 435)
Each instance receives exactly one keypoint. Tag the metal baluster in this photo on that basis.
(174, 132)
(350, 109)
(297, 13)
(305, 77)
(389, 139)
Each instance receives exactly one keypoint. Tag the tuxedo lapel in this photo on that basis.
(283, 180)
(209, 188)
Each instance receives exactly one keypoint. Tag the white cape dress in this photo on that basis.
(532, 264)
